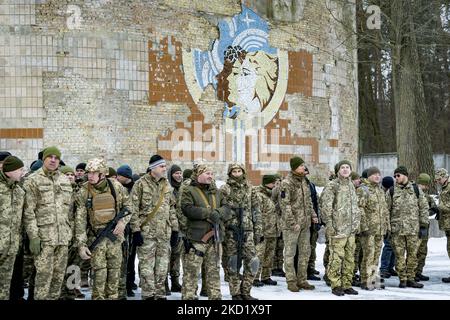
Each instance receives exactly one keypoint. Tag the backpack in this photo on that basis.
(415, 187)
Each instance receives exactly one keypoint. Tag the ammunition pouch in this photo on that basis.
(103, 208)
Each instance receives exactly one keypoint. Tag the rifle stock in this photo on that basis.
(108, 230)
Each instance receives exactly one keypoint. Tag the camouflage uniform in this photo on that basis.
(197, 203)
(238, 193)
(154, 254)
(407, 213)
(48, 201)
(278, 259)
(297, 209)
(107, 257)
(269, 225)
(341, 215)
(11, 208)
(374, 225)
(422, 251)
(444, 209)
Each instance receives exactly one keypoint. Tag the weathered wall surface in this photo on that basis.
(121, 79)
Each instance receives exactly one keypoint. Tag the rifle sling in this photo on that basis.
(152, 214)
(205, 199)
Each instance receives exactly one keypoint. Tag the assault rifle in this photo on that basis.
(108, 230)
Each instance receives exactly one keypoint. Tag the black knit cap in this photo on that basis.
(12, 163)
(81, 166)
(402, 170)
(4, 154)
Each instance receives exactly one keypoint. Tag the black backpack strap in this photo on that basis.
(391, 191)
(416, 190)
(113, 192)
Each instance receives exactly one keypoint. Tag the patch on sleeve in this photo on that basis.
(283, 194)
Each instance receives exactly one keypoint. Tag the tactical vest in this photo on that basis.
(103, 208)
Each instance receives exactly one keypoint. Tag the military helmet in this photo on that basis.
(441, 173)
(97, 165)
(235, 165)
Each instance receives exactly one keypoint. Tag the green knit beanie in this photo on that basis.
(423, 179)
(268, 178)
(187, 173)
(50, 151)
(12, 163)
(296, 162)
(66, 169)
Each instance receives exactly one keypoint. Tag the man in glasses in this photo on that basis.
(408, 208)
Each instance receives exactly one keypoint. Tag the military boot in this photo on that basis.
(313, 277)
(402, 284)
(257, 283)
(176, 287)
(421, 277)
(166, 285)
(327, 280)
(385, 274)
(269, 282)
(248, 297)
(237, 297)
(292, 286)
(350, 291)
(413, 284)
(337, 291)
(364, 286)
(203, 292)
(446, 280)
(305, 285)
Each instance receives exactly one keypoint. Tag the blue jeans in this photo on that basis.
(387, 257)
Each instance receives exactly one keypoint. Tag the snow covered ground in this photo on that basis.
(437, 266)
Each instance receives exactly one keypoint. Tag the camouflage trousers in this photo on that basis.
(278, 258)
(122, 289)
(405, 248)
(371, 249)
(225, 259)
(50, 266)
(249, 262)
(341, 263)
(292, 240)
(106, 261)
(422, 252)
(153, 257)
(73, 259)
(357, 255)
(6, 271)
(175, 260)
(266, 252)
(312, 256)
(192, 264)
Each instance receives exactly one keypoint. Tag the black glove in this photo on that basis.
(364, 233)
(214, 216)
(174, 239)
(259, 239)
(423, 232)
(316, 226)
(138, 240)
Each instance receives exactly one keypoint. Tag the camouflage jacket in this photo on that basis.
(339, 208)
(276, 201)
(407, 212)
(295, 202)
(374, 210)
(182, 219)
(48, 199)
(444, 207)
(268, 212)
(197, 211)
(11, 208)
(84, 223)
(145, 196)
(241, 195)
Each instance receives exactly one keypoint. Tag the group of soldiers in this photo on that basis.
(97, 220)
